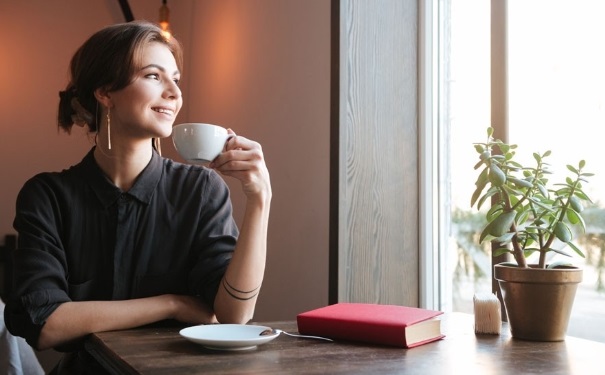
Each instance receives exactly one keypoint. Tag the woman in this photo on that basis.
(127, 238)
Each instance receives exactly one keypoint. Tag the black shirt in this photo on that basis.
(82, 238)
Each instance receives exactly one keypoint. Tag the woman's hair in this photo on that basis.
(108, 59)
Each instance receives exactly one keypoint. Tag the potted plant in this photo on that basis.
(529, 215)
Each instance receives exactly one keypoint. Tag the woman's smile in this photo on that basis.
(165, 110)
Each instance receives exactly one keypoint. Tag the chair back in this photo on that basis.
(6, 256)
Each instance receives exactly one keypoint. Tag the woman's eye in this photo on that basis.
(176, 81)
(153, 76)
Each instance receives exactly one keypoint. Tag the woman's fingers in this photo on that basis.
(243, 159)
(238, 149)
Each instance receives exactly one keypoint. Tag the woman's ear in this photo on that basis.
(102, 96)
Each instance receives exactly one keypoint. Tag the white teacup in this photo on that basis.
(199, 143)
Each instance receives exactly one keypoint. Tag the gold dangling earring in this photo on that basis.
(108, 128)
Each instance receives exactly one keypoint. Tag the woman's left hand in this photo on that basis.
(243, 159)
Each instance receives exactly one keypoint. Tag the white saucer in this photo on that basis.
(227, 336)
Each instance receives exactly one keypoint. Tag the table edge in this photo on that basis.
(111, 362)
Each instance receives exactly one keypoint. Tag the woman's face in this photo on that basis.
(148, 106)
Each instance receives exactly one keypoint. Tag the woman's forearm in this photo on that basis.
(74, 320)
(236, 297)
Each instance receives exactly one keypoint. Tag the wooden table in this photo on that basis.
(163, 351)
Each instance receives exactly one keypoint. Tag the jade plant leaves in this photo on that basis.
(499, 226)
(526, 214)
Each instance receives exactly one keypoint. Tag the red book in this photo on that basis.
(392, 325)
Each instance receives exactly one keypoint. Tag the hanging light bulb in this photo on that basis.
(164, 20)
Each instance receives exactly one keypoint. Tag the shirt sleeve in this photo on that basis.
(39, 271)
(217, 235)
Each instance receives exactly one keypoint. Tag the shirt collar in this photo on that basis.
(148, 180)
(108, 193)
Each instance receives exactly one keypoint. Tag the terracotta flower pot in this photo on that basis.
(538, 302)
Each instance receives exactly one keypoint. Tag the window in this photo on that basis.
(555, 80)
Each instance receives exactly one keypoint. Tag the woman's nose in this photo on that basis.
(172, 90)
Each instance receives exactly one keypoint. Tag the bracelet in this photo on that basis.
(225, 284)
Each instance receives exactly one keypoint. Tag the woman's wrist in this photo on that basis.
(261, 199)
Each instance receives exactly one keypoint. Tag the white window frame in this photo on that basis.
(428, 58)
(434, 198)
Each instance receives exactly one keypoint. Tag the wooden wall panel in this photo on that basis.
(374, 199)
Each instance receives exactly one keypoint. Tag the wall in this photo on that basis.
(260, 67)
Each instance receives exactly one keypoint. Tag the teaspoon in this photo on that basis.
(274, 331)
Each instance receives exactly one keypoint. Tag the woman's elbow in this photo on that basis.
(234, 317)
